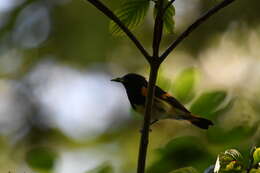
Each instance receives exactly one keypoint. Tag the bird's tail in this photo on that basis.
(200, 122)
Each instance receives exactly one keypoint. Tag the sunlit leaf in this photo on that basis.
(233, 153)
(168, 20)
(229, 161)
(217, 166)
(233, 166)
(183, 87)
(131, 13)
(208, 102)
(185, 170)
(41, 158)
(255, 170)
(256, 156)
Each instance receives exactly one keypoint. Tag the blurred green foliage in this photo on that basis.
(234, 137)
(181, 152)
(207, 103)
(231, 161)
(79, 38)
(256, 156)
(184, 85)
(41, 158)
(254, 171)
(185, 170)
(103, 168)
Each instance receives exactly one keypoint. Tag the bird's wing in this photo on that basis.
(162, 95)
(159, 93)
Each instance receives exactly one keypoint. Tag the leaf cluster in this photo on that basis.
(133, 13)
(208, 104)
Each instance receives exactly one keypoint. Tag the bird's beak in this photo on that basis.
(117, 80)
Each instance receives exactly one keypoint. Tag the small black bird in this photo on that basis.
(165, 106)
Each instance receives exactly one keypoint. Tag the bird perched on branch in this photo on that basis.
(165, 106)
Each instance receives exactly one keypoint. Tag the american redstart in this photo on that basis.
(165, 106)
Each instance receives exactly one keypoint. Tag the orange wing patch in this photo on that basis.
(144, 91)
(166, 95)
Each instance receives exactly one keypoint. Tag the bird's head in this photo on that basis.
(132, 80)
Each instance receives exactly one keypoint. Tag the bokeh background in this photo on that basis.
(59, 112)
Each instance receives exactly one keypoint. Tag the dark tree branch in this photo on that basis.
(154, 66)
(99, 5)
(158, 29)
(146, 125)
(193, 26)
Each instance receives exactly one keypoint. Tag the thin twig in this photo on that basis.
(99, 5)
(193, 26)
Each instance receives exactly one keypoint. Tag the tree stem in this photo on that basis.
(158, 29)
(147, 119)
(154, 66)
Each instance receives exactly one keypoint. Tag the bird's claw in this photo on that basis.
(150, 130)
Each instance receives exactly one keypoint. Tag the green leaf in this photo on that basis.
(231, 137)
(229, 161)
(183, 88)
(185, 170)
(41, 158)
(131, 13)
(233, 154)
(223, 110)
(163, 81)
(180, 152)
(208, 103)
(256, 156)
(255, 170)
(168, 20)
